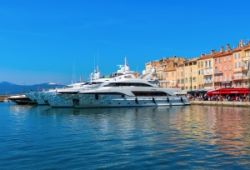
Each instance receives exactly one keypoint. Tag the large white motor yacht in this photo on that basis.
(128, 93)
(65, 97)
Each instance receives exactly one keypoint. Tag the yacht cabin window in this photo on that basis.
(127, 84)
(149, 93)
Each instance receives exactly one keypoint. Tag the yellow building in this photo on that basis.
(206, 72)
(171, 78)
(187, 75)
(180, 76)
(191, 74)
(200, 77)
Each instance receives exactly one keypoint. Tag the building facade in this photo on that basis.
(241, 57)
(206, 71)
(218, 69)
(223, 68)
(166, 70)
(187, 75)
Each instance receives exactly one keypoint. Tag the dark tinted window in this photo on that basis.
(127, 84)
(107, 93)
(149, 93)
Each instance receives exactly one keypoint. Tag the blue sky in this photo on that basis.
(55, 41)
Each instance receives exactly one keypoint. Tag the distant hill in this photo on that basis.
(7, 88)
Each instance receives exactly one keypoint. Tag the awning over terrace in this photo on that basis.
(228, 91)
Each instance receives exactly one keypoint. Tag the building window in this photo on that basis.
(236, 56)
(248, 54)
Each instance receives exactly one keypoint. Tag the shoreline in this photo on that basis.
(193, 102)
(3, 98)
(221, 103)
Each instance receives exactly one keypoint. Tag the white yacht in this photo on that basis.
(66, 97)
(37, 97)
(128, 93)
(43, 97)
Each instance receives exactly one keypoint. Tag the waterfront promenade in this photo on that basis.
(2, 98)
(221, 103)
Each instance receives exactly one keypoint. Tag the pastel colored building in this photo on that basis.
(166, 70)
(223, 68)
(187, 75)
(171, 78)
(206, 72)
(218, 69)
(241, 57)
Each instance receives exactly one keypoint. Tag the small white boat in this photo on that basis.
(21, 100)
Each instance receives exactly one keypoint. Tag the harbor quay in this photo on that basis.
(3, 98)
(221, 103)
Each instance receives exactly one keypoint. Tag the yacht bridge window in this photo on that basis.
(119, 84)
(149, 93)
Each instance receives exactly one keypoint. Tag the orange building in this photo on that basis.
(166, 70)
(223, 68)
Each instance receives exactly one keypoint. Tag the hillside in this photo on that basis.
(7, 88)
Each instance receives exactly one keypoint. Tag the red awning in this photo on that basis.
(226, 91)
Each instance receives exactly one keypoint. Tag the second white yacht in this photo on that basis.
(128, 93)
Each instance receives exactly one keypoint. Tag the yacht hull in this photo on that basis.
(61, 100)
(37, 97)
(88, 101)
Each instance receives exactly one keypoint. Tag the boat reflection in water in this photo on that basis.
(226, 127)
(194, 136)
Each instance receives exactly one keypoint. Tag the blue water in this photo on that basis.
(190, 137)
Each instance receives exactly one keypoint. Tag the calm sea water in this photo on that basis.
(190, 137)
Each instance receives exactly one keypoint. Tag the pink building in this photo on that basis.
(223, 68)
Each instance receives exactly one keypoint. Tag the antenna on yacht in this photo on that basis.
(94, 62)
(98, 57)
(81, 78)
(73, 73)
(125, 61)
